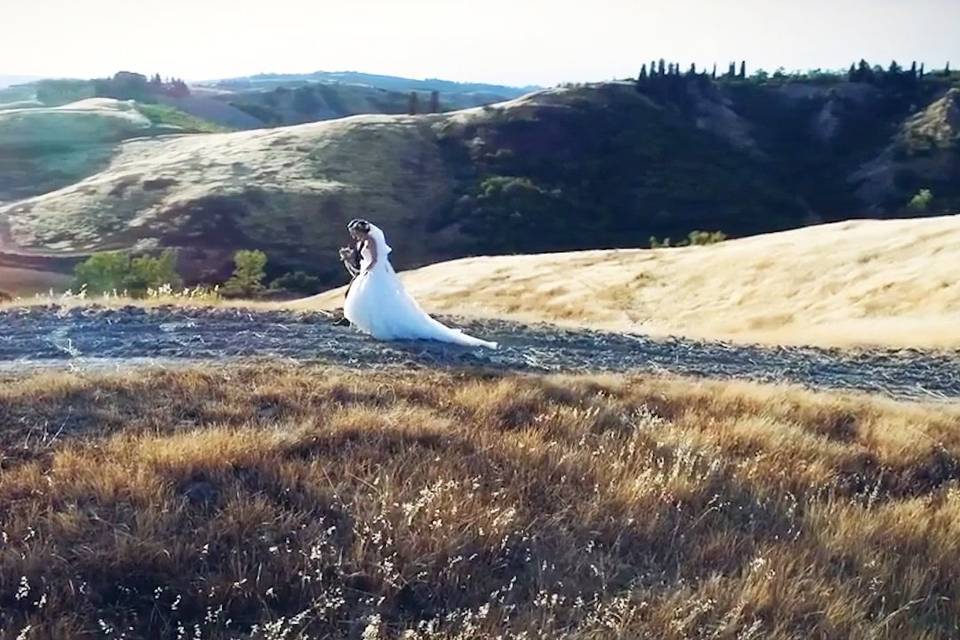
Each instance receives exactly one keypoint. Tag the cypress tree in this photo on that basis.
(643, 72)
(434, 101)
(852, 73)
(913, 69)
(946, 70)
(653, 68)
(693, 69)
(661, 69)
(921, 69)
(743, 68)
(713, 74)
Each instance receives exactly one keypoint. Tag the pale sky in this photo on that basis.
(501, 41)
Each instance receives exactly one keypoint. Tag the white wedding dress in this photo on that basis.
(379, 304)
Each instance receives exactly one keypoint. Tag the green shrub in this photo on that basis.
(102, 272)
(247, 279)
(694, 238)
(116, 271)
(153, 273)
(706, 237)
(655, 243)
(514, 213)
(920, 203)
(660, 244)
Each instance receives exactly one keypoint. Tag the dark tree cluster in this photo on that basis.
(413, 104)
(664, 69)
(658, 74)
(669, 81)
(174, 87)
(126, 85)
(894, 74)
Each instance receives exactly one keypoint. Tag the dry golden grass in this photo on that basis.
(189, 298)
(869, 283)
(273, 502)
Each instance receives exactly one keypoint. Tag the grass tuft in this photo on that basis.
(280, 502)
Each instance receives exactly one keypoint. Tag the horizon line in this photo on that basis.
(33, 77)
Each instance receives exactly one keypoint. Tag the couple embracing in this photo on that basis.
(377, 302)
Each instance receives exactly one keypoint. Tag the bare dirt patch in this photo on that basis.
(93, 337)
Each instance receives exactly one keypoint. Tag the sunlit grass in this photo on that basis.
(276, 502)
(199, 296)
(887, 284)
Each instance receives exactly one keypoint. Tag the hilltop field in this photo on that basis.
(860, 283)
(864, 283)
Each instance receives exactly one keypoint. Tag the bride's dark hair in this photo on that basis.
(359, 224)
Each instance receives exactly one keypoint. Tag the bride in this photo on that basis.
(378, 304)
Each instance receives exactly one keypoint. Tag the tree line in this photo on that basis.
(664, 68)
(864, 72)
(127, 85)
(413, 105)
(861, 71)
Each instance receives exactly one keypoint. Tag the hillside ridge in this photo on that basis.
(569, 168)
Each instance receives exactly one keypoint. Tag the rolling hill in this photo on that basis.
(887, 283)
(372, 80)
(45, 148)
(279, 99)
(570, 168)
(269, 99)
(9, 81)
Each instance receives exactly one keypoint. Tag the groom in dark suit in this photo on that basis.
(350, 257)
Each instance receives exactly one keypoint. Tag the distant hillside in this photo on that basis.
(7, 81)
(283, 99)
(298, 103)
(389, 83)
(45, 148)
(578, 167)
(269, 100)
